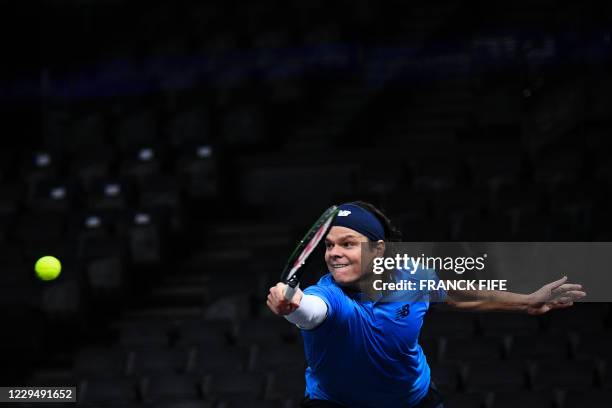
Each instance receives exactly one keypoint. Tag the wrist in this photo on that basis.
(297, 296)
(527, 301)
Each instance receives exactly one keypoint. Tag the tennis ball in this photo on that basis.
(48, 268)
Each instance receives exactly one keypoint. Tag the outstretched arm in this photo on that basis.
(554, 295)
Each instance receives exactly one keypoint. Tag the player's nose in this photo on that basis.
(335, 252)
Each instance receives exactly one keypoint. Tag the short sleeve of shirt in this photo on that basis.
(326, 295)
(331, 295)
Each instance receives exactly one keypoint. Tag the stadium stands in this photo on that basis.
(183, 152)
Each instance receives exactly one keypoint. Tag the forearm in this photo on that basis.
(311, 313)
(488, 300)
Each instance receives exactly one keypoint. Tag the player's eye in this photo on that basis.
(348, 244)
(328, 245)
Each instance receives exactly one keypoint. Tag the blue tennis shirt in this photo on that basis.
(366, 353)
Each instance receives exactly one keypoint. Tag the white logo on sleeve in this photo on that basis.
(344, 213)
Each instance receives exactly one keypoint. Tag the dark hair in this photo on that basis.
(392, 234)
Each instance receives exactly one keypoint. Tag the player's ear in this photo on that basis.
(380, 248)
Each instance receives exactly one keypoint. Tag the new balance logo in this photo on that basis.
(402, 312)
(344, 213)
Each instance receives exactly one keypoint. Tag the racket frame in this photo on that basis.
(302, 251)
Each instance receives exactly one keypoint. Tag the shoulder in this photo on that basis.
(327, 280)
(328, 290)
(325, 285)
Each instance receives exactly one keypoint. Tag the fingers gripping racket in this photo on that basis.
(291, 274)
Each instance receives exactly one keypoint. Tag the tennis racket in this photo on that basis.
(291, 274)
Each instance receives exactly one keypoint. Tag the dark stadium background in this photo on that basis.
(170, 155)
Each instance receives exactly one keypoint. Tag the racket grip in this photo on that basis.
(289, 292)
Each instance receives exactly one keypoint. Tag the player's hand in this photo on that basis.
(278, 304)
(555, 295)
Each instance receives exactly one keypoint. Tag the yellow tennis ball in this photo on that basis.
(48, 268)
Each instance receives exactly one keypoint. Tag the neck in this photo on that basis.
(364, 285)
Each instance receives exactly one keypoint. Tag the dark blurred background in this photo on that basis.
(171, 155)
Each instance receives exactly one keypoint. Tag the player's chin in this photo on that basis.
(344, 276)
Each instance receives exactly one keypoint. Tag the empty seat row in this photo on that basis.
(583, 318)
(529, 399)
(486, 385)
(166, 387)
(519, 348)
(206, 333)
(486, 376)
(108, 362)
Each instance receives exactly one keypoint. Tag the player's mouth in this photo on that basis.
(339, 266)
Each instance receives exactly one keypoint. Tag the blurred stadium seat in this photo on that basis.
(213, 334)
(539, 347)
(153, 360)
(444, 323)
(107, 390)
(448, 376)
(143, 334)
(524, 398)
(472, 349)
(563, 375)
(471, 400)
(236, 386)
(495, 376)
(171, 387)
(508, 324)
(259, 331)
(273, 357)
(206, 360)
(593, 398)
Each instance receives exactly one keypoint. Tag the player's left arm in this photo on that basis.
(555, 295)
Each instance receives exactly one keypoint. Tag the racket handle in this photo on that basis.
(289, 292)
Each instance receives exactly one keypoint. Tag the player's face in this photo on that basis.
(343, 255)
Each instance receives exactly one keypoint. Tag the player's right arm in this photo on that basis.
(306, 311)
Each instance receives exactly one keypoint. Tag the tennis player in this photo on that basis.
(363, 351)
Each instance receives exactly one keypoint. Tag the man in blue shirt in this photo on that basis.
(361, 345)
